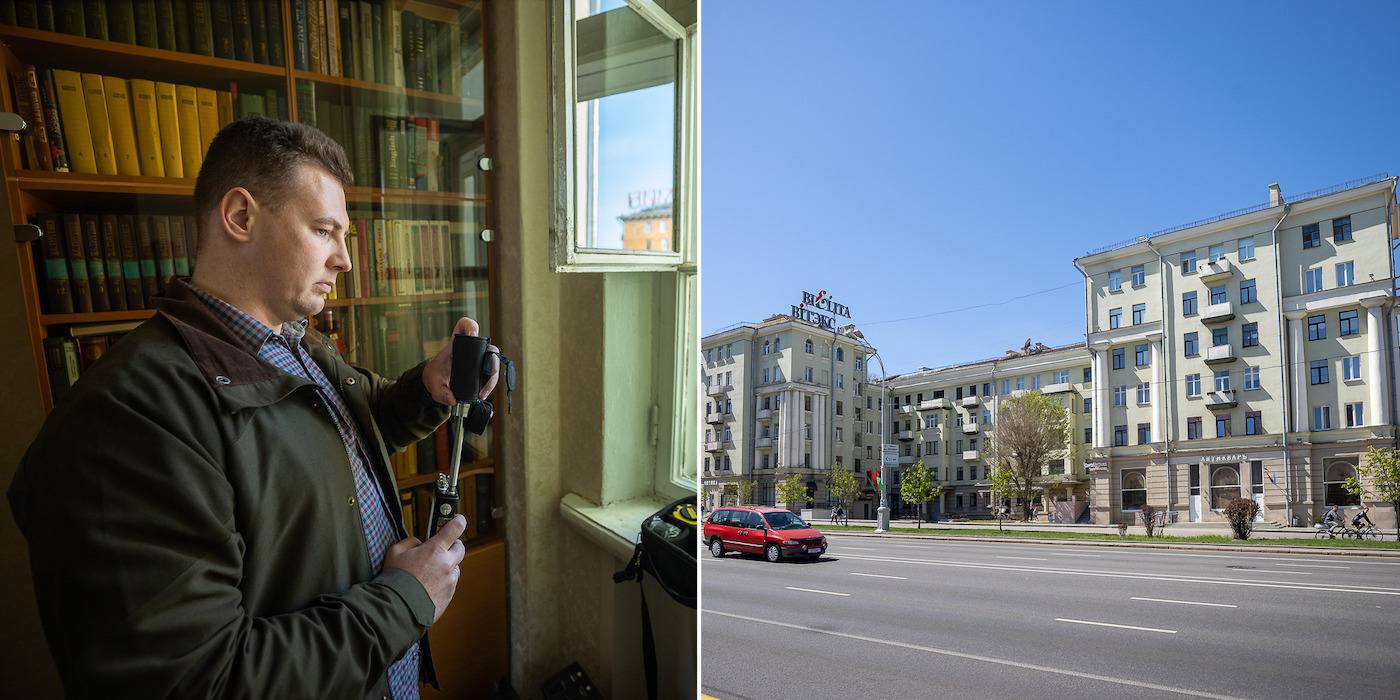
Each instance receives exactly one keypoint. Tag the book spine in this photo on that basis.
(276, 44)
(144, 22)
(165, 254)
(131, 261)
(146, 248)
(95, 100)
(420, 153)
(90, 349)
(258, 11)
(187, 116)
(123, 130)
(191, 240)
(225, 99)
(19, 14)
(121, 21)
(111, 253)
(184, 40)
(390, 145)
(77, 263)
(363, 257)
(43, 150)
(331, 18)
(434, 156)
(168, 117)
(72, 112)
(222, 20)
(48, 100)
(301, 40)
(316, 34)
(44, 16)
(202, 27)
(97, 266)
(147, 127)
(379, 247)
(95, 19)
(242, 30)
(345, 38)
(381, 70)
(366, 43)
(60, 292)
(165, 25)
(179, 253)
(393, 44)
(208, 109)
(61, 355)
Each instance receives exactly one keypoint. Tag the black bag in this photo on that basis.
(666, 549)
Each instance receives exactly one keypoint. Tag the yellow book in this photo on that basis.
(167, 114)
(96, 101)
(191, 154)
(122, 127)
(208, 118)
(72, 110)
(143, 108)
(225, 108)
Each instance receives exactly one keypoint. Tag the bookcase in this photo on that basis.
(103, 210)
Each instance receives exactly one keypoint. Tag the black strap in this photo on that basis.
(648, 644)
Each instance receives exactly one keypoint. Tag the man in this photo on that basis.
(209, 509)
(1333, 520)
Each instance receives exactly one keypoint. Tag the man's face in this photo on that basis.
(300, 249)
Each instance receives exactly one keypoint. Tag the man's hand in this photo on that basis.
(434, 563)
(438, 373)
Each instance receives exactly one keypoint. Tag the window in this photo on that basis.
(972, 469)
(1220, 336)
(1252, 423)
(840, 354)
(1312, 280)
(1144, 433)
(1246, 249)
(1188, 261)
(1120, 395)
(1345, 274)
(777, 374)
(860, 363)
(1088, 436)
(987, 388)
(840, 408)
(1222, 380)
(1347, 323)
(1115, 280)
(1005, 386)
(1191, 344)
(1250, 335)
(807, 402)
(1248, 295)
(1334, 479)
(1062, 377)
(1355, 416)
(1020, 383)
(729, 406)
(1139, 312)
(1088, 374)
(1351, 368)
(1115, 318)
(1193, 384)
(1222, 425)
(1120, 436)
(1224, 486)
(1322, 418)
(1117, 359)
(808, 346)
(807, 375)
(839, 438)
(1144, 393)
(766, 347)
(1142, 353)
(1310, 237)
(777, 344)
(1134, 490)
(765, 375)
(1035, 381)
(1318, 370)
(840, 381)
(1218, 295)
(1216, 252)
(1341, 229)
(1088, 404)
(1193, 428)
(1188, 304)
(1139, 275)
(1317, 327)
(1251, 378)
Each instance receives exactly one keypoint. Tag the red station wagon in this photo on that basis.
(773, 532)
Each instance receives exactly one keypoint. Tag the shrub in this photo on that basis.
(1241, 512)
(1149, 520)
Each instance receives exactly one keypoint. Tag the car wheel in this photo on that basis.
(773, 553)
(716, 548)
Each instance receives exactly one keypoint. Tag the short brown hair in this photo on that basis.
(263, 156)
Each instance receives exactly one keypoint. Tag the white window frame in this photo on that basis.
(1193, 384)
(1346, 274)
(1312, 280)
(1351, 368)
(1246, 249)
(1355, 415)
(1251, 378)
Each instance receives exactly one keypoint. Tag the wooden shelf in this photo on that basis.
(43, 180)
(388, 90)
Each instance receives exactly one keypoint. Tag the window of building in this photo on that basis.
(1312, 280)
(1062, 377)
(1188, 261)
(1216, 252)
(1139, 275)
(1250, 335)
(1246, 249)
(860, 363)
(1347, 323)
(987, 388)
(1345, 275)
(767, 346)
(1020, 383)
(1134, 491)
(1191, 344)
(1088, 374)
(807, 402)
(1224, 486)
(1142, 354)
(1117, 359)
(840, 408)
(1252, 423)
(1139, 314)
(1222, 425)
(1222, 380)
(1115, 318)
(1341, 229)
(839, 436)
(1188, 304)
(1035, 381)
(1088, 436)
(1248, 294)
(1251, 378)
(808, 346)
(1351, 367)
(1193, 428)
(1144, 393)
(958, 420)
(1322, 418)
(840, 354)
(1144, 433)
(1317, 327)
(972, 470)
(1219, 336)
(807, 375)
(960, 478)
(1120, 395)
(1088, 404)
(840, 381)
(1218, 295)
(1318, 371)
(1193, 384)
(1005, 386)
(1311, 237)
(1115, 280)
(777, 344)
(1334, 480)
(1120, 436)
(729, 406)
(1355, 415)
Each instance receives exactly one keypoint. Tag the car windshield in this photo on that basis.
(785, 521)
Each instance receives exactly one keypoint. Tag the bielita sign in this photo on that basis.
(813, 305)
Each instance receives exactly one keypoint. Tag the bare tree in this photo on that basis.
(1030, 430)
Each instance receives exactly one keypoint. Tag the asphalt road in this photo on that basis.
(886, 618)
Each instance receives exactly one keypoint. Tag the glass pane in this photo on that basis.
(625, 125)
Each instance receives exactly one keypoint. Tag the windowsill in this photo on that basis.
(613, 527)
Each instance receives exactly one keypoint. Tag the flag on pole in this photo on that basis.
(875, 473)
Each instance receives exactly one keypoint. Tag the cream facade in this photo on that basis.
(1247, 356)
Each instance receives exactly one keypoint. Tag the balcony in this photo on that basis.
(714, 446)
(1221, 400)
(971, 429)
(907, 409)
(719, 390)
(1060, 388)
(714, 418)
(972, 456)
(933, 404)
(764, 443)
(1217, 271)
(905, 435)
(907, 460)
(1220, 354)
(1218, 313)
(763, 414)
(970, 402)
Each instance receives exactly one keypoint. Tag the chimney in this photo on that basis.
(1275, 195)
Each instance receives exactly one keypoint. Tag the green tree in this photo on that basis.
(919, 485)
(1030, 430)
(744, 490)
(1380, 478)
(793, 490)
(843, 486)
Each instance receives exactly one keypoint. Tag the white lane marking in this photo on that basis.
(1316, 566)
(978, 657)
(1273, 571)
(902, 578)
(1062, 554)
(1185, 602)
(912, 546)
(868, 549)
(1109, 624)
(1023, 558)
(813, 590)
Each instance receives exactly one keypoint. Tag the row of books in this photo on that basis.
(374, 42)
(243, 30)
(102, 124)
(111, 262)
(396, 257)
(68, 357)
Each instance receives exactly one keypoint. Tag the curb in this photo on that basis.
(1134, 544)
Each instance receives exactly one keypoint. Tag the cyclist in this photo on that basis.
(1361, 517)
(1333, 521)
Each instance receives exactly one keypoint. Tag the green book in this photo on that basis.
(95, 18)
(121, 21)
(181, 11)
(68, 17)
(144, 23)
(221, 20)
(61, 356)
(165, 24)
(146, 249)
(242, 30)
(276, 46)
(112, 256)
(201, 27)
(97, 265)
(131, 261)
(60, 292)
(77, 263)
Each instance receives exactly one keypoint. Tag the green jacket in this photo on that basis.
(193, 528)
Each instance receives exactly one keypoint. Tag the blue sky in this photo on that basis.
(936, 167)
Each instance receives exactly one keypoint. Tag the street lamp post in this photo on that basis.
(882, 523)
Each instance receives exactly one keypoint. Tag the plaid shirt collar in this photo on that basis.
(252, 333)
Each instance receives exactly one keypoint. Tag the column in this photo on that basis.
(819, 430)
(1378, 408)
(1297, 359)
(1159, 389)
(1101, 389)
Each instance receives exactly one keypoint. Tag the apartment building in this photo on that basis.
(1248, 355)
(946, 417)
(781, 397)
